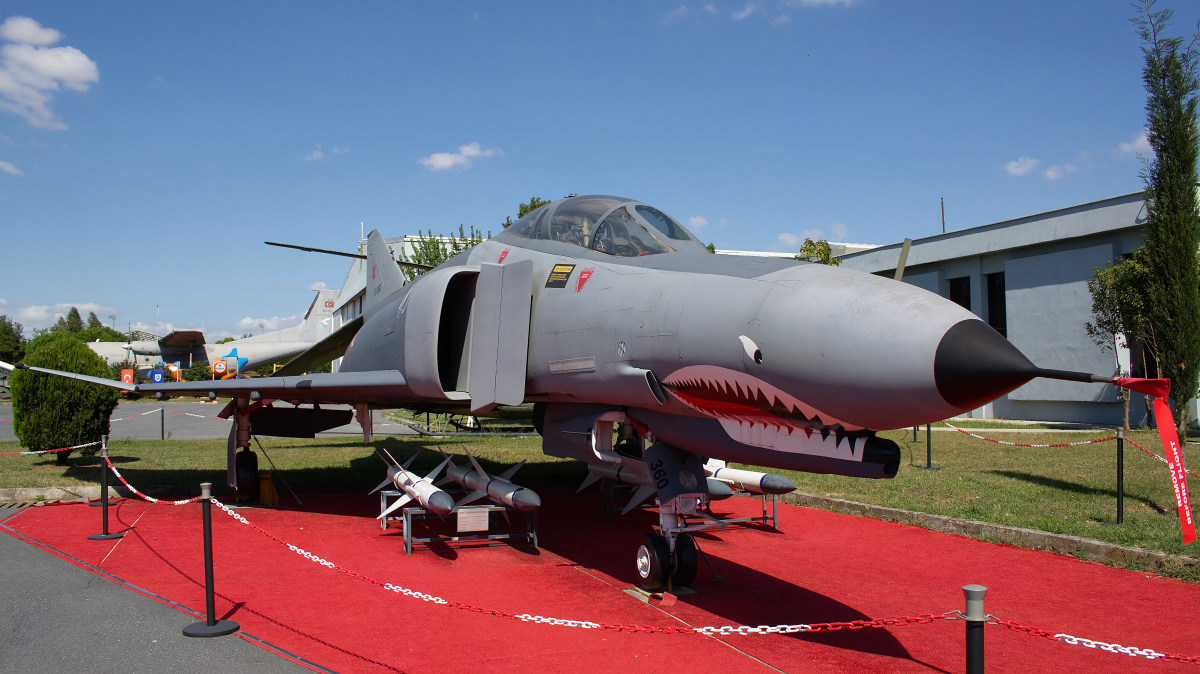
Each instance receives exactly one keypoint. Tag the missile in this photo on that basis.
(748, 480)
(496, 488)
(635, 473)
(415, 487)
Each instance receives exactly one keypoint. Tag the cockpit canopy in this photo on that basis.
(611, 225)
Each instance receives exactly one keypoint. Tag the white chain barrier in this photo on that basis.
(140, 494)
(49, 451)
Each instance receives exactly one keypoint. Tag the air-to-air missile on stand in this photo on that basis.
(415, 488)
(496, 488)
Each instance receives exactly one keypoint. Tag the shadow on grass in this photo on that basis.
(1063, 485)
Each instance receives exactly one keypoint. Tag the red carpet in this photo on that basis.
(821, 567)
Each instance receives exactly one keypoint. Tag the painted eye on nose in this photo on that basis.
(752, 350)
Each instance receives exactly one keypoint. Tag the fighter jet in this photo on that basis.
(621, 327)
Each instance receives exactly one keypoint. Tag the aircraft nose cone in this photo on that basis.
(526, 499)
(441, 504)
(777, 484)
(974, 365)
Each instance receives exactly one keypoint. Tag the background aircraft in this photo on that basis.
(635, 343)
(188, 346)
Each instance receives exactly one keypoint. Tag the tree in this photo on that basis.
(72, 322)
(532, 205)
(818, 251)
(52, 412)
(433, 250)
(1172, 218)
(12, 342)
(1119, 304)
(93, 322)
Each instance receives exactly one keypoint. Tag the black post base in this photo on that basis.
(203, 630)
(106, 537)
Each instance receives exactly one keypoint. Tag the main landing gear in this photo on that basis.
(657, 565)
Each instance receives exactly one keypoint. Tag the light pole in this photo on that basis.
(113, 318)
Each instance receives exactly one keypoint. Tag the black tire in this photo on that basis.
(246, 470)
(653, 562)
(686, 561)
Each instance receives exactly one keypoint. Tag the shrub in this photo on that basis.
(51, 412)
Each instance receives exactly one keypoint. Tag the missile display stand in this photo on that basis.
(771, 519)
(411, 514)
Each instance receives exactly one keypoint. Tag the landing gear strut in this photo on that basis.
(668, 558)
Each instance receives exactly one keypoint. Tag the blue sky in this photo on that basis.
(147, 149)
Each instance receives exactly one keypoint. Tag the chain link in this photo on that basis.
(49, 451)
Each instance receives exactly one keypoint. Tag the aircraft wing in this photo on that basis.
(183, 338)
(338, 387)
(322, 352)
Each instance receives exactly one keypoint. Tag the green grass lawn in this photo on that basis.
(1069, 490)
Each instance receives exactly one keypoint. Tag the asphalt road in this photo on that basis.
(191, 422)
(60, 618)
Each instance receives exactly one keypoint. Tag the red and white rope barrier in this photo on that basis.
(198, 416)
(1023, 444)
(1192, 472)
(134, 416)
(50, 451)
(140, 494)
(1131, 651)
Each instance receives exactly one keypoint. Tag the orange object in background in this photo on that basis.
(127, 376)
(267, 496)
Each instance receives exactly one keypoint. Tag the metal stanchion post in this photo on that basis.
(1121, 475)
(211, 627)
(976, 619)
(915, 433)
(162, 423)
(104, 535)
(928, 450)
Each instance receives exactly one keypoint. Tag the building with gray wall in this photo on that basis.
(1028, 279)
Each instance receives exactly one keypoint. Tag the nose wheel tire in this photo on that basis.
(686, 561)
(653, 562)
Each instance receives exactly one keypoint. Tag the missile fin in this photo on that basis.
(399, 502)
(587, 482)
(643, 492)
(409, 462)
(383, 484)
(471, 498)
(439, 468)
(507, 475)
(478, 468)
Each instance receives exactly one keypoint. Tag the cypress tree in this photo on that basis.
(1172, 222)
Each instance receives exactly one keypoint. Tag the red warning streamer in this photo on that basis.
(1158, 390)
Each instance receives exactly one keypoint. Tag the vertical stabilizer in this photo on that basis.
(383, 274)
(318, 322)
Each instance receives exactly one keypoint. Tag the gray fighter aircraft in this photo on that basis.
(633, 340)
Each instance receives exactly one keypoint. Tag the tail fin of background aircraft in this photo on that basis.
(318, 322)
(383, 275)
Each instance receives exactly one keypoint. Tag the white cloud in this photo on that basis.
(1138, 144)
(27, 31)
(697, 221)
(1056, 172)
(790, 240)
(739, 14)
(341, 150)
(315, 155)
(814, 234)
(838, 231)
(31, 73)
(319, 285)
(781, 20)
(466, 155)
(271, 324)
(1021, 166)
(676, 15)
(722, 223)
(9, 167)
(710, 8)
(823, 3)
(42, 316)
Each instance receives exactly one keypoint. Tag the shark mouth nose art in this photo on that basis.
(760, 414)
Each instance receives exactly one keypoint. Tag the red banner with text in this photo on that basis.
(1170, 440)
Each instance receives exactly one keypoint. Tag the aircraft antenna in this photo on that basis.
(943, 215)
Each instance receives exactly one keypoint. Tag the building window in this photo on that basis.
(960, 291)
(997, 314)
